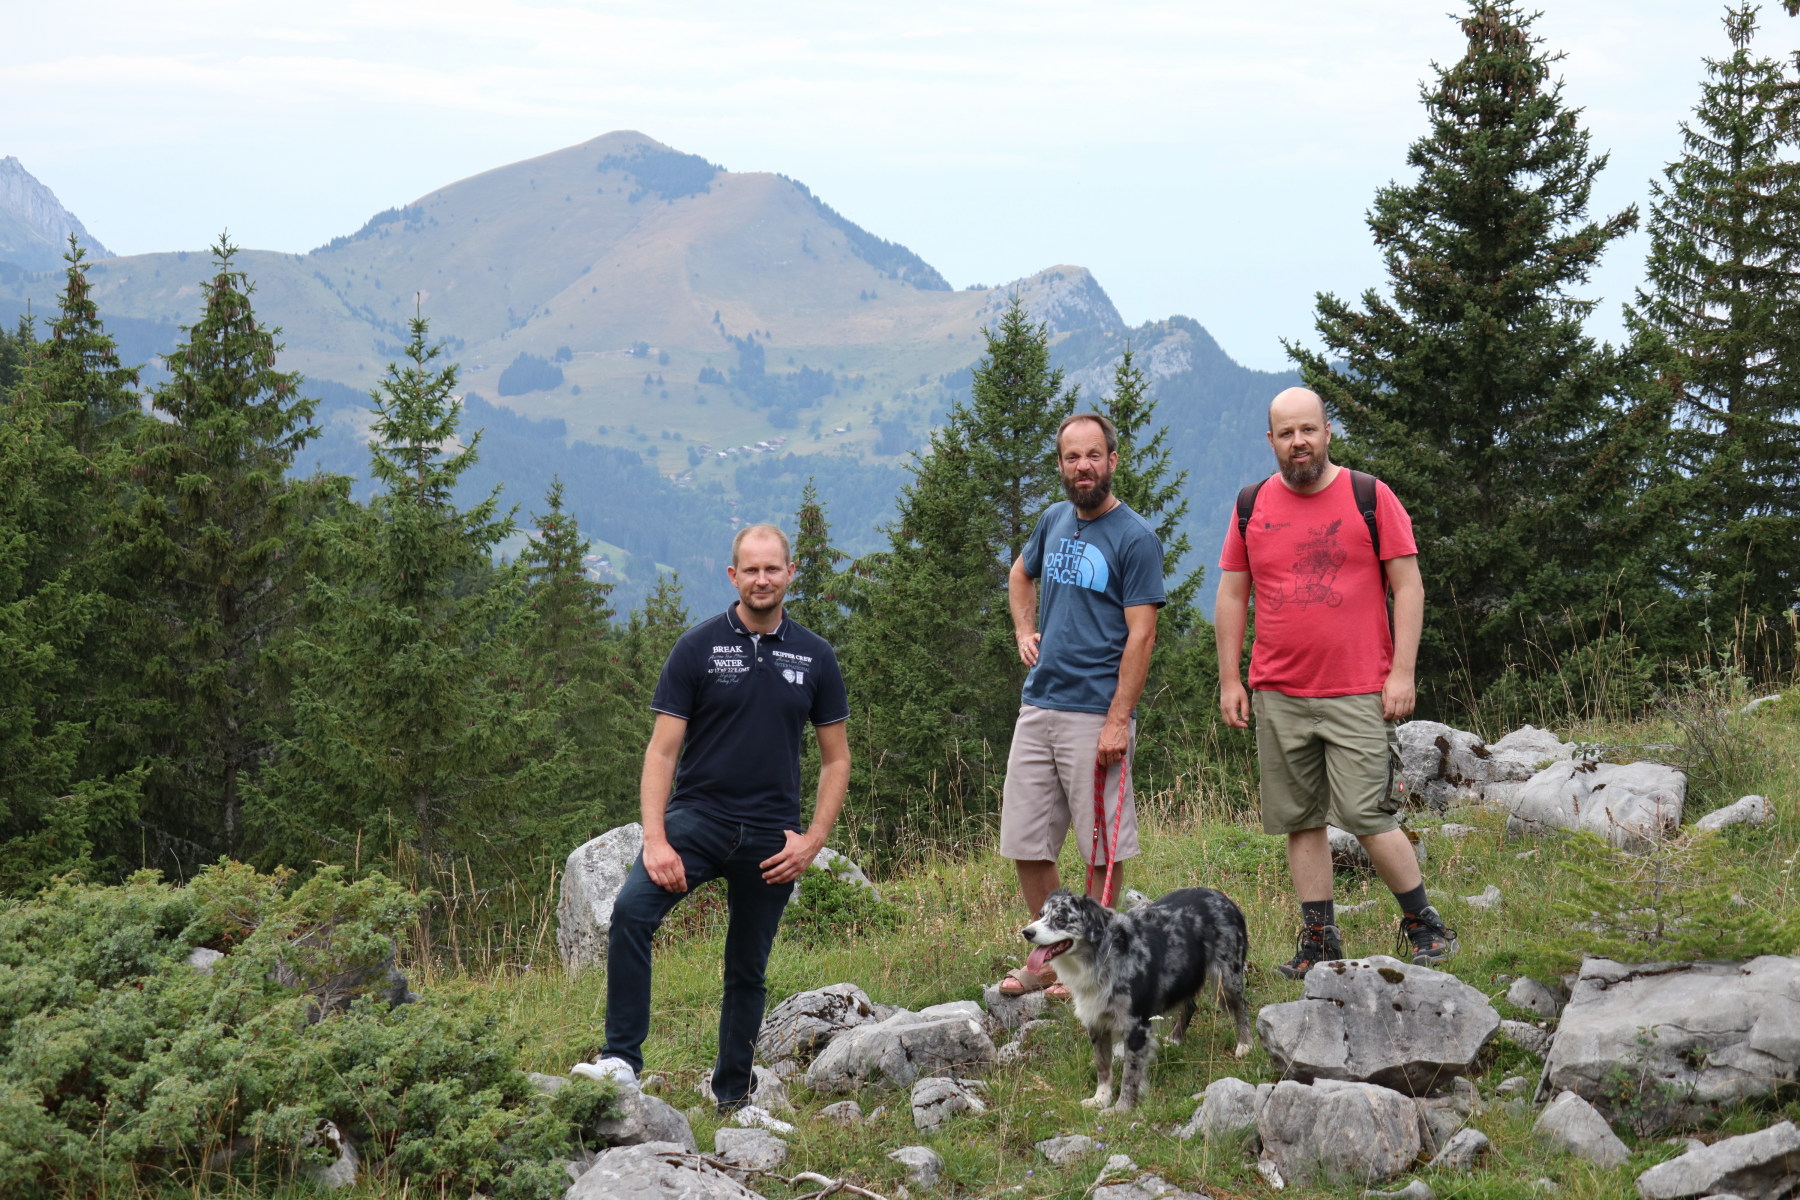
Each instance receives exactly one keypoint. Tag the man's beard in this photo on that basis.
(1096, 497)
(1304, 474)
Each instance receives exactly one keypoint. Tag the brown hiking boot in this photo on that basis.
(1314, 945)
(1430, 940)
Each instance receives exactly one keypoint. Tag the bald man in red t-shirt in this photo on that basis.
(1328, 675)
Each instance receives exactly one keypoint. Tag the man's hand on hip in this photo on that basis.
(664, 866)
(1234, 704)
(1397, 697)
(1115, 739)
(1028, 647)
(794, 858)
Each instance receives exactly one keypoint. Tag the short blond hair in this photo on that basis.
(774, 531)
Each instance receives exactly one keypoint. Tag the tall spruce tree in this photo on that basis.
(816, 597)
(931, 656)
(1720, 321)
(416, 738)
(214, 542)
(1474, 391)
(572, 667)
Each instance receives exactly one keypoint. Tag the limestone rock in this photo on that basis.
(1574, 1125)
(1489, 898)
(1630, 806)
(1227, 1109)
(1010, 1012)
(1418, 1189)
(1379, 1020)
(1714, 1034)
(1064, 1150)
(655, 1171)
(549, 1085)
(1751, 810)
(754, 1149)
(1457, 831)
(843, 868)
(844, 1112)
(1464, 1151)
(894, 1054)
(923, 1166)
(1335, 1132)
(1440, 766)
(1524, 752)
(592, 877)
(766, 1090)
(1442, 1117)
(1535, 997)
(646, 1119)
(803, 1024)
(937, 1098)
(1755, 1165)
(202, 958)
(1145, 1187)
(1527, 1036)
(1759, 702)
(340, 1172)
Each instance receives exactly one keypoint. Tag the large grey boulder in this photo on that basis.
(646, 1119)
(923, 1166)
(1441, 767)
(802, 1025)
(592, 877)
(1631, 806)
(656, 1171)
(1524, 752)
(1756, 1166)
(750, 1149)
(1572, 1124)
(845, 869)
(897, 1052)
(1335, 1132)
(1683, 1039)
(1379, 1020)
(1749, 810)
(1463, 1152)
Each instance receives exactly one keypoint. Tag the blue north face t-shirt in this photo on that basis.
(1088, 574)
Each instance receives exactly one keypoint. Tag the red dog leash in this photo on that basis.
(1100, 840)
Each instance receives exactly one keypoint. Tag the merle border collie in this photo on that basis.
(1124, 969)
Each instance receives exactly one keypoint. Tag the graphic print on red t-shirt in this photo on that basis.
(1320, 597)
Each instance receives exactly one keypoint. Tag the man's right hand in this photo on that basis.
(664, 867)
(1028, 648)
(1234, 704)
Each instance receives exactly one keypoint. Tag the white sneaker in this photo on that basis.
(606, 1068)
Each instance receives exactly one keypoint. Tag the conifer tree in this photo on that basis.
(415, 732)
(572, 667)
(213, 542)
(1721, 324)
(1474, 391)
(936, 709)
(816, 597)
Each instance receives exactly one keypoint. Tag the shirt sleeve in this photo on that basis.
(678, 688)
(1394, 524)
(1032, 556)
(1143, 574)
(1235, 556)
(830, 703)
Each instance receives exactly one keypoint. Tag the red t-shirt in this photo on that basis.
(1320, 597)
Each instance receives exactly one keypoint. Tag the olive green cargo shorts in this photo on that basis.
(1325, 760)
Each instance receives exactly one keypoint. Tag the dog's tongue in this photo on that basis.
(1038, 959)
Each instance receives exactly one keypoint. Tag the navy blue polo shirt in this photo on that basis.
(747, 699)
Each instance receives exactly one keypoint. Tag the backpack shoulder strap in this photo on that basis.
(1362, 486)
(1245, 502)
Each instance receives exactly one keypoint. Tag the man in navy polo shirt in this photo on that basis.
(721, 797)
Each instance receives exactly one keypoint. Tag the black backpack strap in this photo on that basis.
(1245, 502)
(1362, 486)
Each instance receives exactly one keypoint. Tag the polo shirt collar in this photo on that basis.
(731, 617)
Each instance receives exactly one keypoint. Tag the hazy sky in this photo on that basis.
(1211, 159)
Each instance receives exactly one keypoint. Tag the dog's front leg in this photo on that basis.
(1139, 1049)
(1103, 1068)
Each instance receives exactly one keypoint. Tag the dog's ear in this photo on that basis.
(1094, 915)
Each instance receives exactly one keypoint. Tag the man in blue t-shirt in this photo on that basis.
(1084, 595)
(720, 797)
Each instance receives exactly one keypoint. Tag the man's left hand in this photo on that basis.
(1115, 739)
(794, 858)
(1397, 698)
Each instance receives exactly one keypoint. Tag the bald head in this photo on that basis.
(1296, 403)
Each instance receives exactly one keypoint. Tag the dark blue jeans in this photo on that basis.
(709, 849)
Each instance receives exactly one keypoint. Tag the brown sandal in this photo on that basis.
(1025, 982)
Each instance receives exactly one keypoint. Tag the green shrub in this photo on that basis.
(122, 1067)
(827, 908)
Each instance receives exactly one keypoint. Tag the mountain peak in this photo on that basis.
(34, 226)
